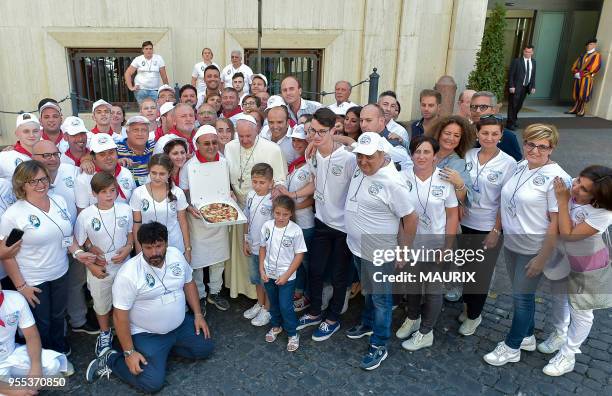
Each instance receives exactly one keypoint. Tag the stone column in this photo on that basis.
(601, 102)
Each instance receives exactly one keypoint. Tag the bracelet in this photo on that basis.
(188, 249)
(460, 188)
(20, 288)
(198, 314)
(495, 230)
(137, 222)
(76, 253)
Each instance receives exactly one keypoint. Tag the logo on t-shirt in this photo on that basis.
(302, 176)
(337, 170)
(357, 173)
(150, 280)
(95, 224)
(409, 184)
(267, 234)
(265, 210)
(69, 182)
(539, 180)
(172, 206)
(469, 166)
(202, 68)
(287, 241)
(122, 221)
(176, 269)
(143, 63)
(375, 188)
(437, 191)
(12, 319)
(125, 183)
(145, 205)
(580, 217)
(18, 161)
(493, 176)
(34, 220)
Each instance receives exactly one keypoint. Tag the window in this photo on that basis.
(97, 73)
(305, 65)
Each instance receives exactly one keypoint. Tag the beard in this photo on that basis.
(156, 260)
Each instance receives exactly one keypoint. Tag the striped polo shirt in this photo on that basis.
(139, 167)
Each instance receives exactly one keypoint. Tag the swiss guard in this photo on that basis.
(584, 69)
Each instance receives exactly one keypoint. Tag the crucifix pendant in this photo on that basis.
(240, 182)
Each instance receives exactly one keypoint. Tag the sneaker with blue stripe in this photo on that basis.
(325, 330)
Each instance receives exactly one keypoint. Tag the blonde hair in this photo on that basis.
(542, 132)
(25, 172)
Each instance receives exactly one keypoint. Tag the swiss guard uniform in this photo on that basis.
(584, 69)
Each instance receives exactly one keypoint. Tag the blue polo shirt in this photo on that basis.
(140, 162)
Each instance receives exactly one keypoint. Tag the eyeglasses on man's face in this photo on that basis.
(320, 132)
(480, 107)
(48, 156)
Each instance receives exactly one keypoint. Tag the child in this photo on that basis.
(104, 229)
(258, 210)
(29, 359)
(585, 213)
(280, 254)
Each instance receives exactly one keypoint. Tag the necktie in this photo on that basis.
(527, 76)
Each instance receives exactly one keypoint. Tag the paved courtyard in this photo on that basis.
(244, 363)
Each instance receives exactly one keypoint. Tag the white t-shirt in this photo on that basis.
(63, 185)
(430, 198)
(198, 73)
(228, 72)
(374, 206)
(394, 127)
(15, 313)
(107, 229)
(84, 194)
(164, 212)
(147, 71)
(332, 178)
(487, 182)
(9, 161)
(342, 107)
(284, 143)
(7, 198)
(598, 218)
(154, 296)
(526, 199)
(42, 256)
(258, 210)
(282, 244)
(296, 180)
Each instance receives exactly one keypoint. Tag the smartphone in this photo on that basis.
(14, 237)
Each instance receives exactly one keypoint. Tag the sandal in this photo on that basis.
(273, 333)
(293, 343)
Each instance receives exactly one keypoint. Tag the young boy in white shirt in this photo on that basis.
(258, 210)
(105, 229)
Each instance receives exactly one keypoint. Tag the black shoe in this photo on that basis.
(88, 328)
(218, 301)
(580, 115)
(569, 112)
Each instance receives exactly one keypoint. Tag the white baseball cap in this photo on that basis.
(24, 118)
(101, 142)
(245, 117)
(275, 101)
(100, 102)
(371, 142)
(137, 119)
(297, 132)
(165, 108)
(73, 126)
(260, 76)
(165, 87)
(203, 130)
(51, 105)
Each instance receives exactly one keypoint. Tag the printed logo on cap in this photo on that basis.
(103, 140)
(95, 224)
(365, 140)
(75, 122)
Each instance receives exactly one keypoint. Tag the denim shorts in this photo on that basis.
(141, 94)
(254, 275)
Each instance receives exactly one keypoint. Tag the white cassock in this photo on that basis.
(241, 161)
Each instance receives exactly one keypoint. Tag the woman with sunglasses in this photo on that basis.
(529, 218)
(489, 168)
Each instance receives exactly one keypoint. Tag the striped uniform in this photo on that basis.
(587, 65)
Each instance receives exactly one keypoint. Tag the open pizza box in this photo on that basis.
(208, 184)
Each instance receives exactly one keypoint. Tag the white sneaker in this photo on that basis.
(418, 341)
(408, 327)
(252, 312)
(529, 344)
(552, 343)
(328, 292)
(346, 301)
(502, 354)
(262, 318)
(560, 364)
(70, 369)
(469, 326)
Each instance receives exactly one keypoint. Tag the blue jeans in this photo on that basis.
(301, 279)
(523, 296)
(281, 305)
(141, 94)
(155, 348)
(50, 314)
(254, 276)
(378, 308)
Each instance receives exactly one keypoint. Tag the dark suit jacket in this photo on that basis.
(516, 76)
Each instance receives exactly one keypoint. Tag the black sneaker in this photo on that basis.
(104, 342)
(88, 328)
(218, 301)
(99, 367)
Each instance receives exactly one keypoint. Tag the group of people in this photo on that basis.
(117, 208)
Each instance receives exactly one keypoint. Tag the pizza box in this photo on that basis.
(209, 183)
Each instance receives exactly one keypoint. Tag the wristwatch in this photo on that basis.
(76, 253)
(127, 354)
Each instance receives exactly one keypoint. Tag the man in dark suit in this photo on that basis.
(521, 82)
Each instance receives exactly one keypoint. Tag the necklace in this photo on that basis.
(424, 218)
(242, 170)
(476, 184)
(112, 237)
(150, 190)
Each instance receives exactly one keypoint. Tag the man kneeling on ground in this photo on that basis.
(149, 295)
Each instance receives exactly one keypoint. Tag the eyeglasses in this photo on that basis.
(34, 182)
(203, 113)
(482, 107)
(542, 148)
(207, 144)
(320, 132)
(48, 156)
(249, 103)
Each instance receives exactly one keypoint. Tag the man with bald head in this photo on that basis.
(291, 91)
(372, 119)
(463, 103)
(277, 130)
(234, 67)
(241, 154)
(342, 93)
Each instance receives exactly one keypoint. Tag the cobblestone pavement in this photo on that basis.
(244, 364)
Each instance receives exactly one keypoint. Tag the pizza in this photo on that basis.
(219, 212)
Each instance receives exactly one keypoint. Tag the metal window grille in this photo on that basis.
(305, 65)
(98, 74)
